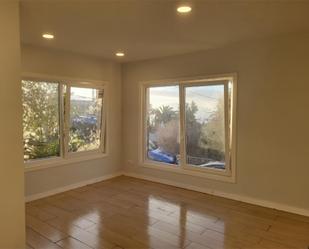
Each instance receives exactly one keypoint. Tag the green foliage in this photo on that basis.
(213, 135)
(168, 138)
(191, 110)
(84, 135)
(37, 149)
(76, 142)
(204, 140)
(193, 131)
(166, 128)
(40, 119)
(163, 115)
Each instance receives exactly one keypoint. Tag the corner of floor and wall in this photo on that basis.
(272, 122)
(41, 61)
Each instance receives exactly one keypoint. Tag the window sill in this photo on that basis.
(55, 162)
(176, 169)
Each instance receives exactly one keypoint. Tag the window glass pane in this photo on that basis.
(40, 119)
(85, 119)
(163, 124)
(205, 126)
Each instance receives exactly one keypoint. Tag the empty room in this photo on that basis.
(154, 124)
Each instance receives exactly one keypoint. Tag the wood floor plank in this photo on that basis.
(37, 241)
(36, 212)
(118, 235)
(68, 203)
(179, 230)
(90, 195)
(128, 213)
(44, 229)
(266, 244)
(29, 247)
(69, 216)
(92, 240)
(194, 245)
(141, 231)
(289, 217)
(288, 239)
(71, 243)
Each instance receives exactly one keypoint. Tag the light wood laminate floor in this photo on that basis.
(126, 212)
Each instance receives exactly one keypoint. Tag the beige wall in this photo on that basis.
(57, 63)
(272, 123)
(12, 230)
(272, 138)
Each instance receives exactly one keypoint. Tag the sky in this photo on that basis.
(206, 98)
(79, 93)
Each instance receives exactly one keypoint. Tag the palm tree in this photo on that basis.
(163, 114)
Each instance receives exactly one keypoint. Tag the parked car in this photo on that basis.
(89, 120)
(214, 164)
(161, 156)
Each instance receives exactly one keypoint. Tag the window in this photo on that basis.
(189, 126)
(62, 119)
(163, 124)
(205, 126)
(85, 119)
(41, 127)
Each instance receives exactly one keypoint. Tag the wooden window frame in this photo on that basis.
(227, 175)
(67, 157)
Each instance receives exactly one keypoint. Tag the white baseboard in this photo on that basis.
(247, 199)
(71, 186)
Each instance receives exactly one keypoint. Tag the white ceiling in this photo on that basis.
(149, 29)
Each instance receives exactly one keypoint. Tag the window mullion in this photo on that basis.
(103, 122)
(145, 118)
(226, 127)
(182, 132)
(66, 119)
(61, 118)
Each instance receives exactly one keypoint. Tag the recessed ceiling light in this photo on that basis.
(184, 9)
(120, 54)
(48, 36)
